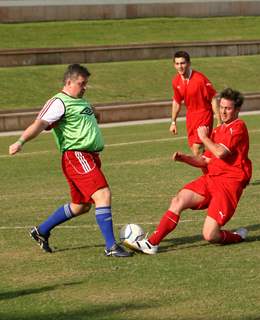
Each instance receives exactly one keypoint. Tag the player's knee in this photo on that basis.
(87, 207)
(211, 236)
(105, 194)
(102, 197)
(78, 209)
(176, 204)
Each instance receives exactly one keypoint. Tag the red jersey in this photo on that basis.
(237, 166)
(196, 92)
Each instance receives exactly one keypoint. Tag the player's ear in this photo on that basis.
(68, 82)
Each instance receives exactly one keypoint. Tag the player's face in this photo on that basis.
(228, 112)
(77, 87)
(182, 66)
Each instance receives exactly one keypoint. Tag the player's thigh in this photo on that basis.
(225, 197)
(197, 196)
(84, 175)
(76, 196)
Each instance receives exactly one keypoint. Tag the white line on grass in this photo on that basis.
(107, 146)
(145, 141)
(91, 226)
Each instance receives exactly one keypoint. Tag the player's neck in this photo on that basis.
(68, 93)
(187, 74)
(228, 122)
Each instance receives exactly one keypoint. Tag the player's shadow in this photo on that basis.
(253, 227)
(254, 183)
(97, 311)
(25, 292)
(183, 243)
(56, 249)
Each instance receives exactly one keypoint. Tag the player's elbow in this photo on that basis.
(221, 152)
(220, 155)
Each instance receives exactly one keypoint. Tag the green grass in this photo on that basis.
(188, 279)
(107, 32)
(30, 87)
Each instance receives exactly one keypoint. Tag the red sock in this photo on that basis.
(228, 237)
(168, 223)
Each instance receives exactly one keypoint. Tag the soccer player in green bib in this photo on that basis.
(80, 140)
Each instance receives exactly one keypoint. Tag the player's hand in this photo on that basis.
(173, 128)
(14, 148)
(176, 156)
(203, 132)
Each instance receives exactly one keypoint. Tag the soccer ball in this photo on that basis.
(131, 232)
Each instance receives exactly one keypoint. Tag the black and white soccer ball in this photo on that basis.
(131, 232)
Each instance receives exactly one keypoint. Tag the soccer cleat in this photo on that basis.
(242, 232)
(117, 251)
(142, 246)
(42, 241)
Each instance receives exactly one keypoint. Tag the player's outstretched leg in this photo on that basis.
(143, 246)
(168, 223)
(41, 233)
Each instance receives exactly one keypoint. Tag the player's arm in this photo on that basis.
(31, 132)
(215, 108)
(176, 107)
(219, 150)
(194, 161)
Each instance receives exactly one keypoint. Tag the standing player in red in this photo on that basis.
(199, 96)
(219, 190)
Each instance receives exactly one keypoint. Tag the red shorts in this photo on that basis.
(195, 120)
(83, 173)
(221, 196)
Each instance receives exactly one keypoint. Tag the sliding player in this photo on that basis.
(219, 190)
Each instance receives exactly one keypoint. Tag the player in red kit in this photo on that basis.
(220, 188)
(199, 96)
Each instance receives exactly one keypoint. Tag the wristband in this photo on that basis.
(173, 122)
(21, 141)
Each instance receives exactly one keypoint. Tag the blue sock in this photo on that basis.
(61, 215)
(104, 221)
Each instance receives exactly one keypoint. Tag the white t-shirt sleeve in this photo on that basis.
(52, 111)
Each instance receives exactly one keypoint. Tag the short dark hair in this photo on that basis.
(182, 54)
(75, 70)
(234, 96)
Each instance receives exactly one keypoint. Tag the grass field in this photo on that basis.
(107, 32)
(30, 87)
(188, 279)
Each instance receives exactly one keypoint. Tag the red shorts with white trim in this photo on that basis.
(195, 120)
(83, 173)
(221, 196)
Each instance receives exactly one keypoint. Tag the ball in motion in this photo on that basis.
(131, 232)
